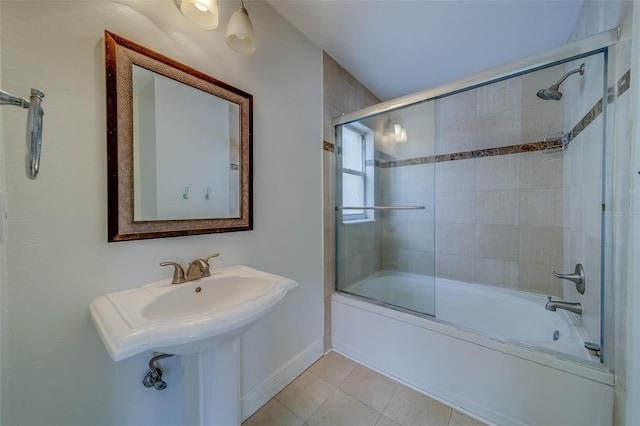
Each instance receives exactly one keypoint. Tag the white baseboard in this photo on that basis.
(279, 379)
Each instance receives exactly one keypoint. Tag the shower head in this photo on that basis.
(553, 93)
(550, 94)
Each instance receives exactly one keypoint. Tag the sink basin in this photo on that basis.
(186, 318)
(199, 297)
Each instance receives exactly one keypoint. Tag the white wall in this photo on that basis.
(55, 369)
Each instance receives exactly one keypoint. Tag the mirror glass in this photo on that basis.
(185, 151)
(179, 147)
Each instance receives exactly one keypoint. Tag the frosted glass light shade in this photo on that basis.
(203, 13)
(240, 35)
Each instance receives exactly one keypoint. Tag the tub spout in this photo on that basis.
(552, 305)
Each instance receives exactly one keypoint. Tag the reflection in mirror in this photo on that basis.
(179, 147)
(183, 138)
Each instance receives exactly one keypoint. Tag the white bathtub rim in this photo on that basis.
(574, 365)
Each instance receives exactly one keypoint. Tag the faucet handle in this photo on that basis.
(205, 271)
(178, 272)
(206, 259)
(577, 277)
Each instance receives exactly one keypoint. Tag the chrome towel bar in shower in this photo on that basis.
(382, 208)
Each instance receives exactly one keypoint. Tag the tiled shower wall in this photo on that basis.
(498, 218)
(342, 94)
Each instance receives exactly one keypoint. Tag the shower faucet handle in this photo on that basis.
(577, 277)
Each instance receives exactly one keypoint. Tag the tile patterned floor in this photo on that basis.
(336, 391)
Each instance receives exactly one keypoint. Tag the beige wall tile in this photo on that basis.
(503, 95)
(453, 108)
(421, 178)
(499, 172)
(539, 279)
(538, 170)
(455, 267)
(496, 272)
(541, 207)
(458, 136)
(497, 242)
(421, 262)
(422, 236)
(455, 175)
(542, 120)
(497, 207)
(501, 128)
(541, 245)
(396, 259)
(456, 238)
(455, 207)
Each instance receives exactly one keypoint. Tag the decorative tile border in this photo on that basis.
(586, 120)
(624, 83)
(480, 153)
(384, 161)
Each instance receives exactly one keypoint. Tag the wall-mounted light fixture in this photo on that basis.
(240, 35)
(203, 13)
(393, 132)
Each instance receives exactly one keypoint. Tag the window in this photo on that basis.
(354, 174)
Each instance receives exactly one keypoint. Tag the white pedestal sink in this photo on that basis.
(201, 320)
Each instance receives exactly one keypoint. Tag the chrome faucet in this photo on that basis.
(552, 305)
(198, 268)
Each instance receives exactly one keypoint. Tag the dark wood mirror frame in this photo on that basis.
(120, 56)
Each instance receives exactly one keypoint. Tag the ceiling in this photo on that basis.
(397, 47)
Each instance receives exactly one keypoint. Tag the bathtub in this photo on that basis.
(491, 353)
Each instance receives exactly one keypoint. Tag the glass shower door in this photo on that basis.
(385, 208)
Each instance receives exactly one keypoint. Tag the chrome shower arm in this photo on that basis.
(564, 77)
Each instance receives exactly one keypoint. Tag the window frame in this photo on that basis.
(356, 215)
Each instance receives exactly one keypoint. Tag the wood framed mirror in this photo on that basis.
(179, 147)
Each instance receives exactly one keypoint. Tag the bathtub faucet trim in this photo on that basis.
(552, 305)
